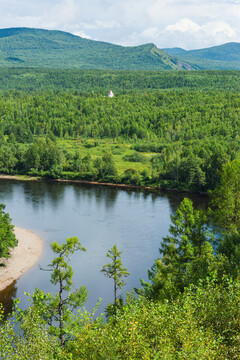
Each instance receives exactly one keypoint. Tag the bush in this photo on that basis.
(135, 158)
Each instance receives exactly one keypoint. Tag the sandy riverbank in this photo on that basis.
(23, 257)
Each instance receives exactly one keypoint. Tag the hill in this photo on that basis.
(222, 57)
(25, 47)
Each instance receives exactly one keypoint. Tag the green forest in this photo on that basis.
(221, 57)
(121, 82)
(161, 130)
(39, 48)
(175, 138)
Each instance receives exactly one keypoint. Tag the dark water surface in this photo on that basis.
(100, 217)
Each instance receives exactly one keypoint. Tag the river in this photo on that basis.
(100, 217)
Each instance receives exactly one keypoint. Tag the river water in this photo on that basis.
(100, 217)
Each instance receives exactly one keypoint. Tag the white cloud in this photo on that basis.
(63, 12)
(106, 24)
(208, 34)
(219, 28)
(184, 25)
(168, 23)
(150, 33)
(82, 35)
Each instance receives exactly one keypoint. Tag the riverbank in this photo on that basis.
(96, 183)
(23, 256)
(19, 177)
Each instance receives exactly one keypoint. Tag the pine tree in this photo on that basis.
(115, 270)
(188, 235)
(225, 203)
(58, 309)
(7, 236)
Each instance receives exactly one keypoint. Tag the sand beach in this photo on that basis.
(23, 256)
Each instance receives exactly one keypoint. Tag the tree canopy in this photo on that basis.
(7, 237)
(226, 198)
(115, 270)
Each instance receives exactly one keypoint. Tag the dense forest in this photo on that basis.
(121, 82)
(178, 138)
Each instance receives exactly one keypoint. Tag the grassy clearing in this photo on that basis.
(97, 148)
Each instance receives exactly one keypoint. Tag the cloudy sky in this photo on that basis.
(189, 24)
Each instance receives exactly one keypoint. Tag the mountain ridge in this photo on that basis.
(219, 57)
(40, 48)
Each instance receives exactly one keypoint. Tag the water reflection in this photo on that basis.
(199, 202)
(100, 195)
(38, 194)
(7, 297)
(6, 188)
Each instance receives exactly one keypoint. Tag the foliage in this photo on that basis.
(187, 255)
(7, 236)
(229, 246)
(105, 167)
(115, 270)
(135, 158)
(25, 337)
(57, 49)
(202, 324)
(42, 154)
(124, 81)
(182, 138)
(57, 310)
(226, 198)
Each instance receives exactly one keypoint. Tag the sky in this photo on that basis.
(189, 24)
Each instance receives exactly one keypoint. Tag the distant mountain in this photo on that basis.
(222, 57)
(25, 47)
(176, 50)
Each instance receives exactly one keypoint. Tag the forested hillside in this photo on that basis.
(37, 48)
(221, 57)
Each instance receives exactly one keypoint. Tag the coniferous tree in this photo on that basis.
(58, 309)
(225, 201)
(188, 241)
(115, 270)
(7, 237)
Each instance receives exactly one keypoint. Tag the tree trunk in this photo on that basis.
(60, 312)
